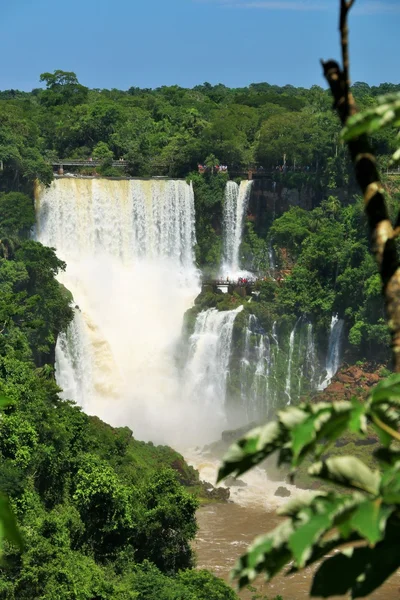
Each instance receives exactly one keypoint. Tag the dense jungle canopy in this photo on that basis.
(170, 130)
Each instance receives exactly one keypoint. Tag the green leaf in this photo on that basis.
(390, 485)
(4, 402)
(385, 113)
(316, 520)
(292, 417)
(251, 450)
(387, 390)
(306, 432)
(349, 471)
(369, 519)
(268, 553)
(359, 570)
(303, 539)
(385, 421)
(8, 524)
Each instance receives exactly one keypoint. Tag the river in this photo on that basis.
(227, 529)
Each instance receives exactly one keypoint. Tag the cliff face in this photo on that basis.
(270, 199)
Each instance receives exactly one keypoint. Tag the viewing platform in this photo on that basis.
(229, 285)
(59, 164)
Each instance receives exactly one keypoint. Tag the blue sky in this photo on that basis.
(149, 43)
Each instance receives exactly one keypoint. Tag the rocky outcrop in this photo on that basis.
(282, 492)
(351, 381)
(217, 494)
(233, 482)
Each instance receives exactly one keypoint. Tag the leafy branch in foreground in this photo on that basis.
(365, 519)
(387, 112)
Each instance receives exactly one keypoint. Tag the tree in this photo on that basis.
(166, 524)
(62, 87)
(17, 214)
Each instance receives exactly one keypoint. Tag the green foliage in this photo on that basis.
(170, 130)
(17, 214)
(385, 112)
(209, 192)
(332, 271)
(365, 519)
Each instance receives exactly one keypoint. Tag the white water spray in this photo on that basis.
(334, 349)
(128, 246)
(288, 384)
(207, 367)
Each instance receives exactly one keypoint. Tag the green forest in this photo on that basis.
(170, 130)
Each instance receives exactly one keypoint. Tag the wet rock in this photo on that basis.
(282, 491)
(219, 494)
(369, 441)
(341, 442)
(233, 482)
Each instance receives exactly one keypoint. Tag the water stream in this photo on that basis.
(235, 206)
(334, 350)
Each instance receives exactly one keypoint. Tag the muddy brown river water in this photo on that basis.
(227, 529)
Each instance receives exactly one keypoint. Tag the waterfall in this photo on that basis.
(128, 245)
(288, 383)
(245, 366)
(271, 259)
(333, 353)
(207, 366)
(235, 206)
(310, 355)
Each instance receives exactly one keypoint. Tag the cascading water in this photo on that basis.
(288, 385)
(235, 206)
(128, 246)
(311, 355)
(207, 367)
(271, 259)
(333, 353)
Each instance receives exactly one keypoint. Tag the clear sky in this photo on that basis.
(149, 43)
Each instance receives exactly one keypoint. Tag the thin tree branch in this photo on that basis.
(381, 230)
(345, 7)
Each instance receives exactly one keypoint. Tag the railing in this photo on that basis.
(60, 162)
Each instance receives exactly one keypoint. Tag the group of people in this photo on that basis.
(240, 281)
(216, 168)
(285, 168)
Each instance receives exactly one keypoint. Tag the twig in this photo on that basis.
(345, 6)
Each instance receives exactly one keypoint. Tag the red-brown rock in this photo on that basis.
(356, 373)
(343, 378)
(372, 378)
(335, 388)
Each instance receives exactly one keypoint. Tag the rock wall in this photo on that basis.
(270, 199)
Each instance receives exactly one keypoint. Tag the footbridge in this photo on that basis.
(60, 163)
